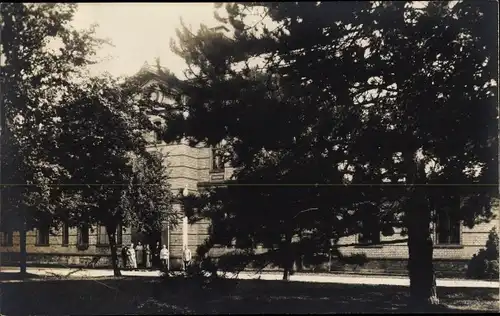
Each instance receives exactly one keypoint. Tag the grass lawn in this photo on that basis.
(135, 295)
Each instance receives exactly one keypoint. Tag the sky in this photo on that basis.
(140, 32)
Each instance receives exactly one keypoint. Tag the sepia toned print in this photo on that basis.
(307, 157)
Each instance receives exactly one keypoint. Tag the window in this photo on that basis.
(65, 234)
(155, 96)
(447, 229)
(42, 235)
(6, 239)
(370, 230)
(184, 100)
(158, 138)
(369, 237)
(216, 157)
(83, 236)
(103, 238)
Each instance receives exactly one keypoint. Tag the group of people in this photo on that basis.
(137, 257)
(147, 257)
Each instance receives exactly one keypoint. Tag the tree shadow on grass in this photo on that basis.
(135, 295)
(16, 276)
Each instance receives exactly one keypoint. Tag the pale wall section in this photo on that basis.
(187, 166)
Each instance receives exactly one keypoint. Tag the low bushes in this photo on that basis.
(484, 264)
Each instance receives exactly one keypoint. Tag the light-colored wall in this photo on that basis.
(186, 165)
(472, 239)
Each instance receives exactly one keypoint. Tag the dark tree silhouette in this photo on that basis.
(394, 99)
(34, 76)
(115, 179)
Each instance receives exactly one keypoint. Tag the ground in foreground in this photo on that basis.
(182, 296)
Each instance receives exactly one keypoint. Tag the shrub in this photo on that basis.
(359, 259)
(484, 265)
(492, 269)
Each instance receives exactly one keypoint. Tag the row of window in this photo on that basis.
(447, 230)
(447, 233)
(43, 233)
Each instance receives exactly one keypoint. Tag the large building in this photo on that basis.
(191, 166)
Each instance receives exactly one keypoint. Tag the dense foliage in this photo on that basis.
(484, 264)
(41, 56)
(73, 148)
(115, 180)
(104, 149)
(395, 99)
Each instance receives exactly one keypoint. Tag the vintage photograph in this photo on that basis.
(312, 157)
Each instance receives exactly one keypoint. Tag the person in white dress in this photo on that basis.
(164, 257)
(186, 257)
(131, 256)
(139, 255)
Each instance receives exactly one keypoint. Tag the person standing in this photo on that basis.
(186, 257)
(156, 256)
(147, 259)
(164, 257)
(131, 257)
(125, 263)
(139, 255)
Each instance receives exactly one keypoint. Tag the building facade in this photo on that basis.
(89, 246)
(189, 167)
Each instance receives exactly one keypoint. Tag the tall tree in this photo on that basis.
(423, 77)
(411, 75)
(274, 136)
(40, 55)
(115, 179)
(438, 112)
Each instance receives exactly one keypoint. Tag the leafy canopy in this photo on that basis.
(41, 55)
(394, 99)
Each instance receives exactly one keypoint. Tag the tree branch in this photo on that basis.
(304, 211)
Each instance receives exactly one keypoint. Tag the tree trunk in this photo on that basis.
(423, 292)
(114, 252)
(420, 267)
(286, 275)
(22, 249)
(421, 270)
